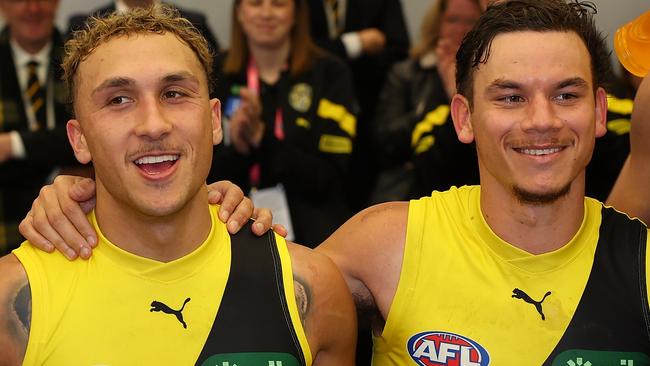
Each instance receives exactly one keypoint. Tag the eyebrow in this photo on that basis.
(116, 82)
(577, 81)
(121, 82)
(180, 76)
(501, 84)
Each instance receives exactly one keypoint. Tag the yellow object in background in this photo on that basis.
(632, 45)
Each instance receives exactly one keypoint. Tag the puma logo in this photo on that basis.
(159, 306)
(520, 294)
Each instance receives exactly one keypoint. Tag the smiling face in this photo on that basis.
(458, 19)
(31, 22)
(146, 122)
(534, 116)
(266, 23)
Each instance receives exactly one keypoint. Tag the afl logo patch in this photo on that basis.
(449, 349)
(300, 97)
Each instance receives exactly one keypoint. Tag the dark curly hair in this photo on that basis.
(531, 15)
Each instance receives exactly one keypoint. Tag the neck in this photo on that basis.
(535, 228)
(32, 47)
(161, 238)
(270, 60)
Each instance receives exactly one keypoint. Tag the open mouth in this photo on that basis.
(157, 164)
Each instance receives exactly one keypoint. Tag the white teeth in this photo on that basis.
(539, 151)
(156, 159)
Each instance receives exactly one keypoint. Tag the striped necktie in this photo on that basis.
(36, 94)
(336, 15)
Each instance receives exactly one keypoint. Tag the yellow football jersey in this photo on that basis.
(466, 297)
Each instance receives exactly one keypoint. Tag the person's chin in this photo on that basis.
(540, 197)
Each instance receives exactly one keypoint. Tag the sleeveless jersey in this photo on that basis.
(118, 308)
(467, 298)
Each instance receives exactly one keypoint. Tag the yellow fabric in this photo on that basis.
(339, 114)
(619, 105)
(287, 279)
(335, 144)
(620, 126)
(97, 312)
(449, 246)
(436, 117)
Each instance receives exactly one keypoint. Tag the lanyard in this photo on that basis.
(253, 83)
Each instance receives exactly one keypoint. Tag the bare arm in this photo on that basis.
(15, 311)
(58, 215)
(631, 193)
(325, 306)
(368, 250)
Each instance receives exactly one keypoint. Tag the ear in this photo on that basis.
(461, 115)
(217, 133)
(78, 141)
(601, 112)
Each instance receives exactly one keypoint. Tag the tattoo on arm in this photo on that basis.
(15, 322)
(303, 296)
(23, 307)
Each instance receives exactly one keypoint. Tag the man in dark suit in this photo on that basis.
(198, 20)
(32, 110)
(370, 35)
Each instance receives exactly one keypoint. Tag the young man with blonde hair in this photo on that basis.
(164, 285)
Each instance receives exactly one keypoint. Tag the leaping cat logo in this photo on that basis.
(520, 294)
(159, 306)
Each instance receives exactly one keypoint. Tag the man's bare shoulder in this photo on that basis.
(15, 311)
(325, 306)
(368, 249)
(381, 225)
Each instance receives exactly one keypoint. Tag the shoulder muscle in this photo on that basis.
(15, 311)
(326, 307)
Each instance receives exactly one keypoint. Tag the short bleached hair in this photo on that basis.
(157, 19)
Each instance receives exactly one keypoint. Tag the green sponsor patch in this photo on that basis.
(252, 359)
(578, 357)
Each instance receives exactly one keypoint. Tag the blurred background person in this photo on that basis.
(77, 21)
(370, 35)
(412, 115)
(289, 117)
(33, 140)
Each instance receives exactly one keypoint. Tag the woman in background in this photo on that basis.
(412, 116)
(289, 117)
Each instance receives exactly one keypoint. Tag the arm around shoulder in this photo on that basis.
(326, 308)
(15, 311)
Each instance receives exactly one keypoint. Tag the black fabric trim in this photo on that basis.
(253, 315)
(612, 314)
(643, 284)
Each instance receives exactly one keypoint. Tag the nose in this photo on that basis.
(34, 6)
(154, 122)
(267, 8)
(541, 115)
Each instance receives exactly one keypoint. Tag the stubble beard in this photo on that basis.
(539, 199)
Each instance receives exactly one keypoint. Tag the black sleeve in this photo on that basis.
(317, 163)
(394, 27)
(48, 147)
(448, 162)
(387, 16)
(395, 117)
